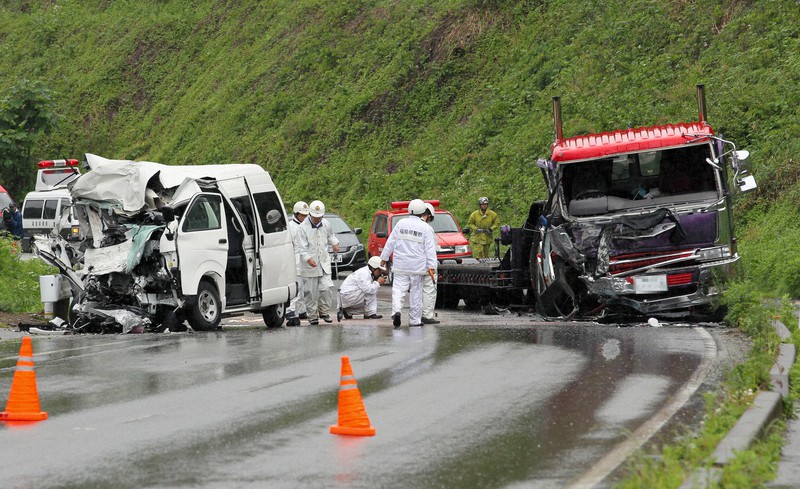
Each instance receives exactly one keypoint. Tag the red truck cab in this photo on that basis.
(450, 241)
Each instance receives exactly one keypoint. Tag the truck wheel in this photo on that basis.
(449, 296)
(274, 315)
(206, 313)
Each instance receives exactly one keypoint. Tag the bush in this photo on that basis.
(19, 279)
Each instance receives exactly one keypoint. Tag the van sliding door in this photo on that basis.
(276, 252)
(202, 243)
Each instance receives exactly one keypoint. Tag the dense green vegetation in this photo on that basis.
(360, 102)
(19, 280)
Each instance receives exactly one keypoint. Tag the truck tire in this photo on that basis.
(206, 313)
(447, 296)
(274, 315)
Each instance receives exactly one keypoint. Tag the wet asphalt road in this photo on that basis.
(477, 401)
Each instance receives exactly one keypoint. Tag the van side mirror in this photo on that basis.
(357, 230)
(168, 213)
(466, 231)
(380, 234)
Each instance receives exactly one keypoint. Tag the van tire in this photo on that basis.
(274, 315)
(206, 312)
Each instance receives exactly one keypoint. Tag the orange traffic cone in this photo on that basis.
(353, 418)
(23, 401)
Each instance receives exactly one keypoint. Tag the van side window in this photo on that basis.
(203, 214)
(243, 207)
(33, 209)
(50, 206)
(270, 212)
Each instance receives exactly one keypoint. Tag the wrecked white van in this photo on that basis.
(162, 244)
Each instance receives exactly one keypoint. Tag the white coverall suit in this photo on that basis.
(359, 292)
(413, 244)
(317, 282)
(298, 304)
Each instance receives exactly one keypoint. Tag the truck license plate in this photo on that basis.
(649, 284)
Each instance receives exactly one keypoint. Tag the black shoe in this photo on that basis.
(396, 319)
(430, 321)
(372, 316)
(303, 315)
(345, 315)
(313, 322)
(327, 319)
(293, 322)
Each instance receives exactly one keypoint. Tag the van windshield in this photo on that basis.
(58, 177)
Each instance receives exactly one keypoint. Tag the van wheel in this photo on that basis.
(206, 313)
(274, 315)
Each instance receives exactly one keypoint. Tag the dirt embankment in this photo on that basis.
(14, 320)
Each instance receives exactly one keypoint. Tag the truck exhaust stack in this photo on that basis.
(701, 102)
(557, 118)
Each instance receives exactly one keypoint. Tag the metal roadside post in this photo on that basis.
(334, 256)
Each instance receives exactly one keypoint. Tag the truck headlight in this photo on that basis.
(462, 249)
(716, 253)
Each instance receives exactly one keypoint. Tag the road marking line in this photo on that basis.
(621, 452)
(39, 355)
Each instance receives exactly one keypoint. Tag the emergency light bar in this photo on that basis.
(403, 204)
(56, 163)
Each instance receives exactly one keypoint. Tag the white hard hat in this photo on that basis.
(483, 200)
(300, 207)
(416, 207)
(375, 262)
(431, 210)
(273, 216)
(316, 208)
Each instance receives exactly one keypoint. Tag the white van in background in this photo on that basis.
(163, 244)
(50, 204)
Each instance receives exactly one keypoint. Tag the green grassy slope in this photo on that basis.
(361, 102)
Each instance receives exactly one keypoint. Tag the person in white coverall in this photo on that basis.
(429, 286)
(297, 307)
(359, 291)
(412, 244)
(314, 236)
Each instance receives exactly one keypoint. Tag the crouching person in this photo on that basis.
(359, 291)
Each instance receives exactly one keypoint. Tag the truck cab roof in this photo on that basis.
(624, 141)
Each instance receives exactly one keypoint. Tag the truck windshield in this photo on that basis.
(637, 179)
